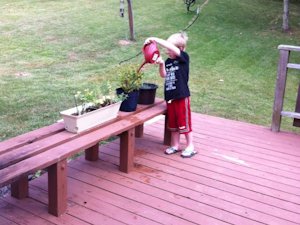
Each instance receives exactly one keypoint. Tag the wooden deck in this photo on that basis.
(243, 174)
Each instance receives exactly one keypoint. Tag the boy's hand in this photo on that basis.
(149, 40)
(159, 60)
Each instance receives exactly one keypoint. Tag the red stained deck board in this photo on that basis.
(39, 209)
(240, 188)
(222, 141)
(227, 187)
(244, 130)
(30, 137)
(247, 131)
(90, 190)
(158, 194)
(190, 199)
(264, 139)
(231, 160)
(19, 216)
(84, 208)
(242, 126)
(226, 175)
(214, 188)
(80, 210)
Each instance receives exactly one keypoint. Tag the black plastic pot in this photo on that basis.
(130, 103)
(147, 93)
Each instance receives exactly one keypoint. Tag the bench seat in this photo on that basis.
(50, 147)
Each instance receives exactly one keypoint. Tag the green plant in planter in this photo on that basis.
(129, 77)
(96, 98)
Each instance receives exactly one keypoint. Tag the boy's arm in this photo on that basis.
(166, 44)
(162, 69)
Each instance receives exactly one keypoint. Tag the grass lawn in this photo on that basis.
(51, 49)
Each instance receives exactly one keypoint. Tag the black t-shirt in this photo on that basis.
(177, 77)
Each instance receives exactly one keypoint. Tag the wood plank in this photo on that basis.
(92, 196)
(4, 221)
(209, 177)
(238, 177)
(211, 150)
(185, 196)
(227, 160)
(210, 185)
(38, 208)
(30, 137)
(67, 149)
(291, 114)
(17, 215)
(159, 208)
(87, 213)
(35, 142)
(289, 48)
(293, 66)
(281, 145)
(245, 152)
(242, 127)
(18, 154)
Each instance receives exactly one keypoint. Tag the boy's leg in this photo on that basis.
(186, 123)
(189, 151)
(174, 143)
(189, 140)
(175, 139)
(172, 126)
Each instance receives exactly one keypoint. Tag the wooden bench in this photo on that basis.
(50, 147)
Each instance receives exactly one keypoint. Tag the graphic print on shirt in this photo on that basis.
(170, 81)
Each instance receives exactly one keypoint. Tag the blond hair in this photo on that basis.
(179, 40)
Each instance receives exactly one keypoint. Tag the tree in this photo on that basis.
(285, 17)
(130, 17)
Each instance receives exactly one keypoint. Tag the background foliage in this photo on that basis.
(52, 49)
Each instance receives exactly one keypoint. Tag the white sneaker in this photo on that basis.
(188, 153)
(171, 150)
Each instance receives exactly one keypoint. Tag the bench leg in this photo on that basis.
(139, 131)
(167, 134)
(57, 188)
(127, 145)
(19, 188)
(91, 154)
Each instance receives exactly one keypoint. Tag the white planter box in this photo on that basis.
(77, 124)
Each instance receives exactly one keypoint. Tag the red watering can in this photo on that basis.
(151, 53)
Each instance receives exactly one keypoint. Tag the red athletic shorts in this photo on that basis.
(179, 115)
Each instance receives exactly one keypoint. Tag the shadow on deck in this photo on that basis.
(243, 174)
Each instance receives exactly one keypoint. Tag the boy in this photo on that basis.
(175, 70)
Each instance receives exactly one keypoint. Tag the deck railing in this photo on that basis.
(283, 66)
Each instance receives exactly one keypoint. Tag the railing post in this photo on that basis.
(297, 109)
(280, 89)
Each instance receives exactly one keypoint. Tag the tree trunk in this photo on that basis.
(285, 24)
(130, 17)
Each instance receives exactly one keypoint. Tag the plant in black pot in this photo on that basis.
(130, 81)
(147, 93)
